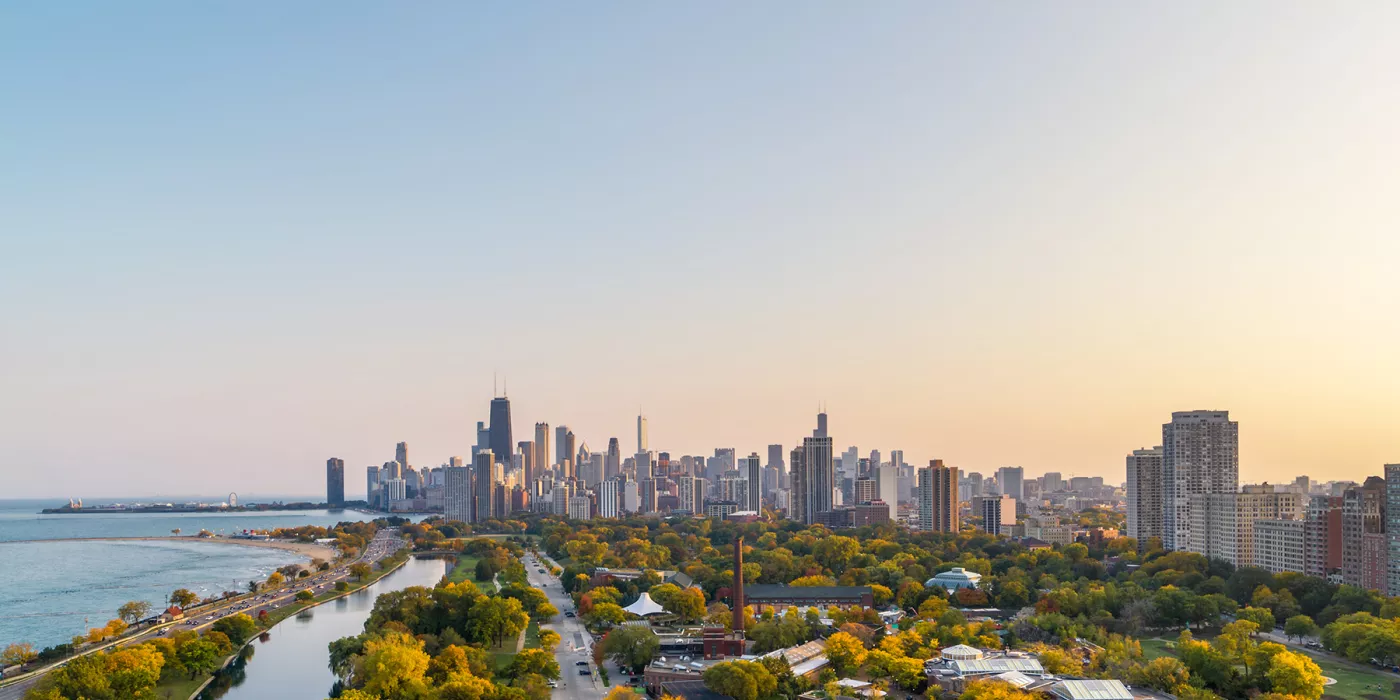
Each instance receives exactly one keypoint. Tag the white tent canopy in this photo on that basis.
(645, 606)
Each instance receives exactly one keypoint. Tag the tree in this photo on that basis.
(134, 610)
(239, 628)
(845, 652)
(275, 579)
(1163, 673)
(907, 672)
(605, 613)
(1060, 662)
(394, 666)
(305, 596)
(360, 570)
(341, 586)
(1259, 616)
(993, 690)
(183, 597)
(741, 680)
(549, 640)
(198, 655)
(1299, 626)
(16, 654)
(1295, 674)
(622, 692)
(631, 647)
(536, 661)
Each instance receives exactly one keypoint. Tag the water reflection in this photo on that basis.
(295, 663)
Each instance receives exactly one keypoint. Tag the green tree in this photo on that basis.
(537, 661)
(198, 656)
(1259, 616)
(631, 647)
(134, 610)
(305, 595)
(1299, 626)
(183, 597)
(360, 570)
(239, 628)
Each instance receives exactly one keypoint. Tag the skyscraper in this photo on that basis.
(775, 460)
(527, 452)
(542, 454)
(998, 512)
(1392, 528)
(820, 432)
(613, 466)
(1365, 543)
(570, 464)
(1011, 481)
(820, 475)
(487, 473)
(641, 433)
(372, 486)
(457, 494)
(501, 445)
(887, 480)
(560, 449)
(401, 456)
(938, 497)
(483, 438)
(755, 487)
(1145, 495)
(335, 482)
(797, 497)
(1200, 454)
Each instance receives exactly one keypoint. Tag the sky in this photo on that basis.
(236, 240)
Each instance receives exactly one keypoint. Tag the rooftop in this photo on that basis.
(1091, 690)
(759, 591)
(1002, 664)
(691, 690)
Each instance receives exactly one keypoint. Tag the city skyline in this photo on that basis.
(1013, 235)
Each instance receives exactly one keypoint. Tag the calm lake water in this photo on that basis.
(292, 660)
(50, 591)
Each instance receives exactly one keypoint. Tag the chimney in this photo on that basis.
(739, 584)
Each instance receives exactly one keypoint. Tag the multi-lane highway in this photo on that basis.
(575, 644)
(386, 542)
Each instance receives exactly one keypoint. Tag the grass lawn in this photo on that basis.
(1354, 681)
(179, 689)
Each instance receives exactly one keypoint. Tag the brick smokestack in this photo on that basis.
(739, 584)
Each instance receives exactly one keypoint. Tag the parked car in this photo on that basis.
(584, 672)
(580, 663)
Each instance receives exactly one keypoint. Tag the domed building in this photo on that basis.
(954, 579)
(962, 652)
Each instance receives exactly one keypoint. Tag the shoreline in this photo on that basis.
(306, 549)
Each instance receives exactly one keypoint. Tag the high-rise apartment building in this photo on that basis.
(1145, 495)
(1392, 528)
(609, 499)
(753, 472)
(1011, 482)
(542, 455)
(457, 494)
(569, 465)
(998, 513)
(483, 438)
(1222, 524)
(527, 452)
(578, 507)
(502, 446)
(887, 485)
(642, 434)
(1200, 455)
(938, 497)
(372, 486)
(1279, 545)
(486, 473)
(690, 491)
(1322, 536)
(864, 490)
(797, 497)
(335, 482)
(1365, 546)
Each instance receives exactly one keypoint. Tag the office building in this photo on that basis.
(394, 490)
(642, 434)
(525, 453)
(335, 482)
(483, 438)
(609, 499)
(821, 431)
(486, 473)
(1052, 482)
(1145, 495)
(1200, 455)
(719, 510)
(998, 513)
(613, 465)
(647, 491)
(1279, 545)
(1010, 482)
(938, 497)
(372, 489)
(542, 455)
(820, 473)
(401, 455)
(502, 445)
(1322, 536)
(775, 460)
(970, 486)
(631, 495)
(593, 474)
(1222, 524)
(864, 490)
(1365, 546)
(752, 471)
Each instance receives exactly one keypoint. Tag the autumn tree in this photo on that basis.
(1292, 673)
(360, 570)
(183, 597)
(846, 652)
(741, 680)
(16, 654)
(133, 610)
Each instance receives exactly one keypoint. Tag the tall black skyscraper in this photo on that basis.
(501, 443)
(335, 482)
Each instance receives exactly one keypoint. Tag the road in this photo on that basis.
(575, 644)
(385, 542)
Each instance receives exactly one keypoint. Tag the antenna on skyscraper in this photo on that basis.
(494, 385)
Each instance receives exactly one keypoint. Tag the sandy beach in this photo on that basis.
(308, 550)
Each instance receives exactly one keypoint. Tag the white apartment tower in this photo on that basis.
(1200, 455)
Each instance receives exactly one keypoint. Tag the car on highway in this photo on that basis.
(584, 672)
(580, 663)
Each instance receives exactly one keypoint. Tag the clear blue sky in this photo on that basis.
(236, 239)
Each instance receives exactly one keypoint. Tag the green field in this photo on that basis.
(1354, 681)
